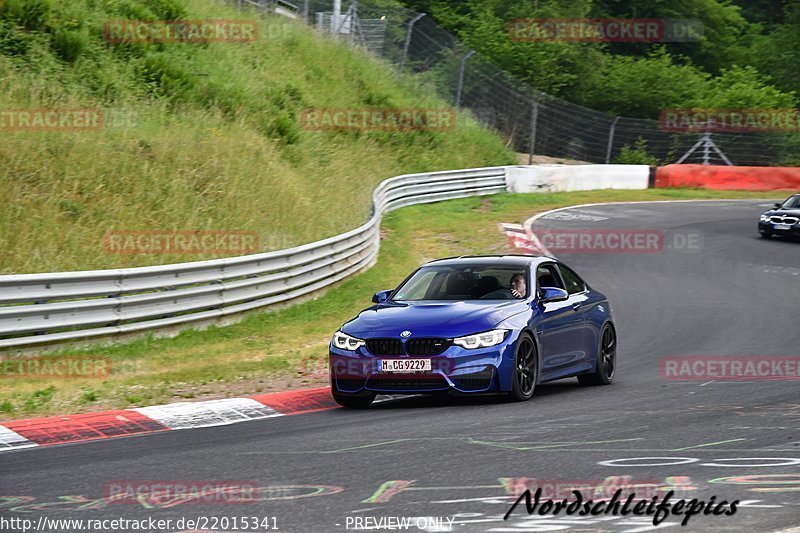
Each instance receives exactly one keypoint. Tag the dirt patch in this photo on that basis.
(277, 382)
(486, 205)
(186, 392)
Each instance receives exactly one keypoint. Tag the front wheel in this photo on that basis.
(606, 359)
(525, 369)
(765, 235)
(353, 401)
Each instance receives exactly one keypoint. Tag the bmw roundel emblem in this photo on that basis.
(406, 334)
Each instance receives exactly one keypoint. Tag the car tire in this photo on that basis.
(765, 235)
(526, 367)
(353, 401)
(606, 359)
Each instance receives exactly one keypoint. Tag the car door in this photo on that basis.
(583, 342)
(560, 324)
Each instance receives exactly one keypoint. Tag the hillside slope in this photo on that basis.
(194, 136)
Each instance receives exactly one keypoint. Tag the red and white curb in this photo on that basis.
(33, 432)
(11, 439)
(207, 414)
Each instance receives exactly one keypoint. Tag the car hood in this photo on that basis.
(432, 318)
(788, 212)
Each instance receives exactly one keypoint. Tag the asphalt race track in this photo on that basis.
(713, 289)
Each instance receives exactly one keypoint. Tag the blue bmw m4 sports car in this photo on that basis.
(477, 324)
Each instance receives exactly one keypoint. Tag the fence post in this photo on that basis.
(534, 120)
(305, 11)
(337, 13)
(461, 77)
(407, 43)
(354, 25)
(611, 139)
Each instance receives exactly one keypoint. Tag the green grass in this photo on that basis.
(273, 351)
(197, 136)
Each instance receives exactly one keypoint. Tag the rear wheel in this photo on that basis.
(606, 359)
(354, 401)
(525, 369)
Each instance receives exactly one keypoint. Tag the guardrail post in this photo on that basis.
(305, 11)
(611, 139)
(407, 43)
(461, 77)
(534, 120)
(42, 332)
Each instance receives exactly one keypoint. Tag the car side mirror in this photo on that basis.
(381, 296)
(778, 205)
(552, 294)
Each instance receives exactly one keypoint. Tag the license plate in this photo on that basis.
(404, 365)
(781, 226)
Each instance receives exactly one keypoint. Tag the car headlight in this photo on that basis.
(764, 218)
(344, 341)
(481, 340)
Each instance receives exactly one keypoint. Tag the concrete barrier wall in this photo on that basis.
(728, 177)
(558, 178)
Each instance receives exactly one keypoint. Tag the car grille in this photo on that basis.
(419, 382)
(385, 346)
(427, 346)
(421, 346)
(475, 381)
(784, 220)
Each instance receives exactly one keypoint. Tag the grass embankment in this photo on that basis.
(288, 348)
(195, 136)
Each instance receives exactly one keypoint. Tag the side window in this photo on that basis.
(574, 283)
(547, 276)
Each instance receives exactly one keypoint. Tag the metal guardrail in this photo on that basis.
(68, 306)
(280, 7)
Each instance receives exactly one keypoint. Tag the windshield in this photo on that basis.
(465, 282)
(792, 203)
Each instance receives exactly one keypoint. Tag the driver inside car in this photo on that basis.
(518, 288)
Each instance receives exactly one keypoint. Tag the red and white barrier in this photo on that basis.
(722, 177)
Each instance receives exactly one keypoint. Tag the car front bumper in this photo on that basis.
(457, 369)
(769, 227)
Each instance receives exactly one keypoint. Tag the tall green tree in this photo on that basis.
(736, 61)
